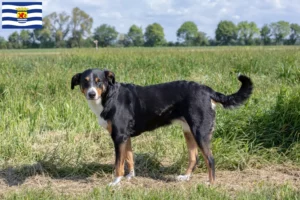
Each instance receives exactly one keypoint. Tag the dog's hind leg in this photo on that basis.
(204, 144)
(193, 156)
(129, 159)
(201, 123)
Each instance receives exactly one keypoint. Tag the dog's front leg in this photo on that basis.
(120, 153)
(129, 160)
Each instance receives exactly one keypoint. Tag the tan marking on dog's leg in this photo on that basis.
(193, 155)
(210, 172)
(129, 159)
(109, 126)
(193, 152)
(211, 180)
(119, 164)
(121, 160)
(129, 155)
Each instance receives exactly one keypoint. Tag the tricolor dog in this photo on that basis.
(128, 110)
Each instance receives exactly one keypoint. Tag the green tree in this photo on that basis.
(43, 38)
(81, 24)
(212, 42)
(171, 44)
(3, 43)
(280, 30)
(14, 40)
(26, 38)
(201, 39)
(295, 34)
(105, 35)
(59, 25)
(135, 36)
(124, 40)
(88, 42)
(265, 34)
(226, 33)
(187, 33)
(246, 32)
(154, 35)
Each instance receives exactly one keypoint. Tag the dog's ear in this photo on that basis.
(110, 77)
(75, 80)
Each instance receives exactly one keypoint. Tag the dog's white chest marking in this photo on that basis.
(96, 107)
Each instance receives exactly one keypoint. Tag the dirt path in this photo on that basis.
(231, 181)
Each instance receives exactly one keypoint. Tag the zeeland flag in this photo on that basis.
(22, 15)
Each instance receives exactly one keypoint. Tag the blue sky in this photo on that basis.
(172, 13)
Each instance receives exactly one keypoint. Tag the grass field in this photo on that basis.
(52, 148)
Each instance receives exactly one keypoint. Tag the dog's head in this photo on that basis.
(93, 82)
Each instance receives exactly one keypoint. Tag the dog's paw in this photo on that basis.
(130, 175)
(115, 182)
(183, 177)
(207, 183)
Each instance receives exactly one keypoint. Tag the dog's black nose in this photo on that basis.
(92, 94)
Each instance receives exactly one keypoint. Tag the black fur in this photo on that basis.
(237, 98)
(146, 108)
(75, 80)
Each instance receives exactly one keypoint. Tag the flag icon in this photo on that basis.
(22, 15)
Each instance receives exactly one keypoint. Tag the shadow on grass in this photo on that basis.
(146, 165)
(14, 176)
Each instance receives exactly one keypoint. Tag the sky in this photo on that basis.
(206, 14)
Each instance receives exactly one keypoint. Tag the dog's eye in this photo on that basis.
(97, 81)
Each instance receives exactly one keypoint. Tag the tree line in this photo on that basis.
(61, 30)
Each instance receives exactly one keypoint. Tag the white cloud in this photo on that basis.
(159, 4)
(172, 13)
(275, 3)
(111, 15)
(236, 17)
(224, 10)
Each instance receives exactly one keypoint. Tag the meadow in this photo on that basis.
(51, 146)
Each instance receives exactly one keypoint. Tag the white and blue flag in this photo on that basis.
(22, 15)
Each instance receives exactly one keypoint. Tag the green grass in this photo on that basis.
(42, 121)
(284, 192)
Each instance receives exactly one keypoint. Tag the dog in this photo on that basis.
(128, 110)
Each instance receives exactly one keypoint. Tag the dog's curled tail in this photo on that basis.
(236, 99)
